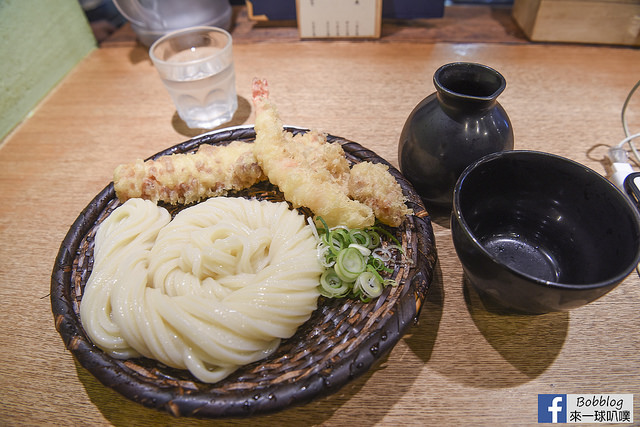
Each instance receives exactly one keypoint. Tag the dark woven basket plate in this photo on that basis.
(341, 341)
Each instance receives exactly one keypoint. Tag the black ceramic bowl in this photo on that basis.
(539, 233)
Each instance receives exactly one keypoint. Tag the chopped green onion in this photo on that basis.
(337, 239)
(360, 237)
(325, 259)
(375, 239)
(324, 224)
(389, 235)
(363, 250)
(332, 286)
(369, 284)
(376, 263)
(373, 271)
(349, 264)
(389, 282)
(353, 260)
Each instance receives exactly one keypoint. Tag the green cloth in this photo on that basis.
(40, 42)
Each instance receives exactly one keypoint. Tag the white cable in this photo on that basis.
(624, 123)
(624, 107)
(620, 172)
(620, 161)
(628, 139)
(619, 157)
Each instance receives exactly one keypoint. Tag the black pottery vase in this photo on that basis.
(453, 127)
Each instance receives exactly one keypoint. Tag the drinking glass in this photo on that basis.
(196, 66)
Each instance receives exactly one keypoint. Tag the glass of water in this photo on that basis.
(196, 67)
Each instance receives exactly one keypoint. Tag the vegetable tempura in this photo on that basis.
(186, 178)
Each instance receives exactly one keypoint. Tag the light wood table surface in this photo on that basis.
(460, 365)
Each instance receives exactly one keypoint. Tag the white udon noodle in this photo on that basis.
(216, 288)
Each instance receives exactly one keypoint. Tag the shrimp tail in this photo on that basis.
(268, 126)
(260, 91)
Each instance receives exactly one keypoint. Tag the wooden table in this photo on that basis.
(461, 365)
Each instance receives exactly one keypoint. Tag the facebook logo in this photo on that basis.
(552, 408)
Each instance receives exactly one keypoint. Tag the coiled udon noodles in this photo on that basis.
(215, 288)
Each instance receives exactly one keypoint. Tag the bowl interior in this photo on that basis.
(548, 218)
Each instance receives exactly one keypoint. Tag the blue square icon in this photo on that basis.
(552, 408)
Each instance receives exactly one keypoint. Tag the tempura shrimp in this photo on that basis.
(308, 170)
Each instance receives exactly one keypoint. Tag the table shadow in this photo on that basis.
(122, 412)
(529, 343)
(440, 215)
(492, 348)
(421, 338)
(139, 53)
(240, 117)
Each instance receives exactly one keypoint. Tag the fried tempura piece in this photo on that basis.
(326, 161)
(373, 185)
(186, 178)
(308, 170)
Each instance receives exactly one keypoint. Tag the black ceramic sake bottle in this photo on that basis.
(453, 127)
